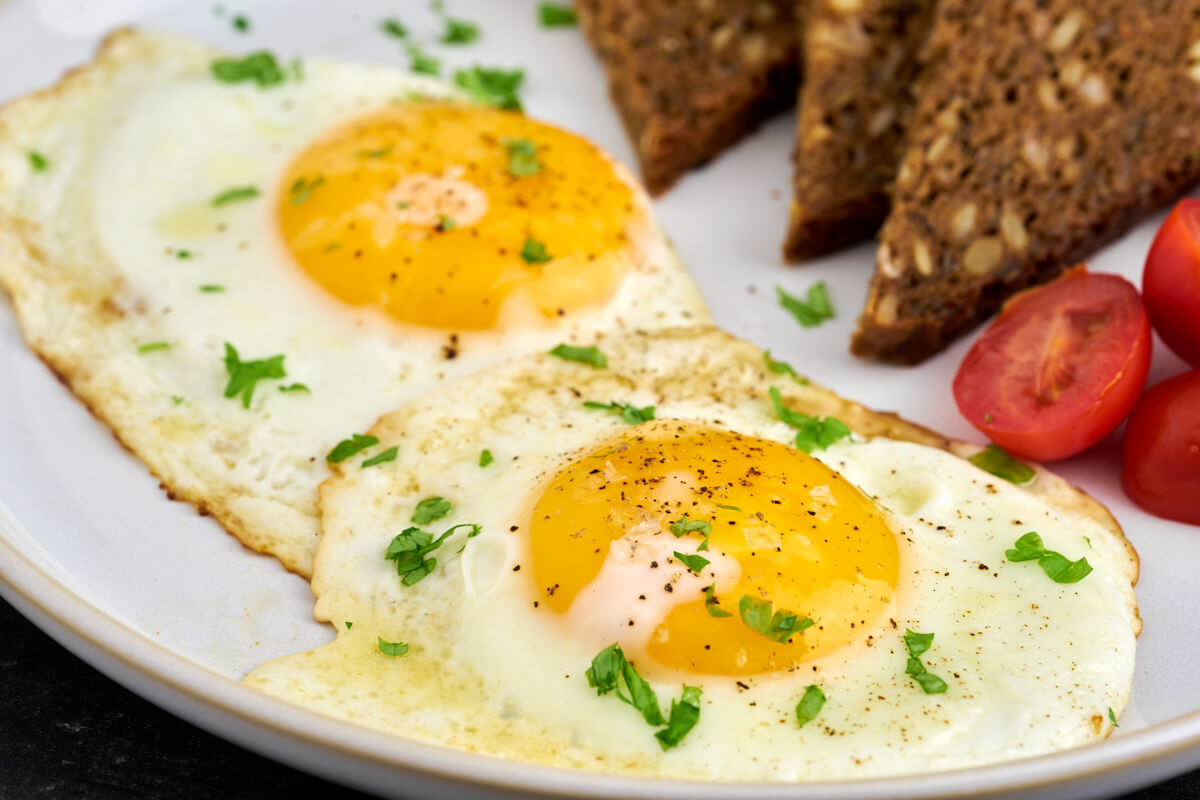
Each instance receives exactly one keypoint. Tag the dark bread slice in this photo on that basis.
(691, 77)
(860, 61)
(1044, 129)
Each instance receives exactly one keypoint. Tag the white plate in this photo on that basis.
(171, 606)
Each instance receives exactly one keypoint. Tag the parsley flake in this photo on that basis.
(683, 526)
(534, 252)
(349, 625)
(1056, 566)
(459, 31)
(303, 188)
(783, 368)
(184, 255)
(211, 288)
(381, 152)
(409, 548)
(241, 23)
(38, 161)
(810, 705)
(556, 15)
(813, 433)
(917, 645)
(728, 508)
(390, 648)
(150, 347)
(611, 672)
(627, 412)
(384, 457)
(235, 195)
(522, 158)
(177, 399)
(431, 509)
(695, 563)
(446, 223)
(684, 714)
(490, 86)
(259, 67)
(584, 355)
(296, 387)
(394, 28)
(811, 311)
(710, 603)
(422, 63)
(348, 447)
(245, 375)
(1112, 718)
(997, 461)
(779, 626)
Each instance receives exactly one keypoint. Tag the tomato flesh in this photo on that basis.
(1060, 367)
(1171, 281)
(1162, 450)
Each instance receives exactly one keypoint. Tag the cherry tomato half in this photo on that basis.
(1162, 450)
(1059, 368)
(1171, 281)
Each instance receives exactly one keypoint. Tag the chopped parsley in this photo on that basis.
(38, 161)
(382, 458)
(584, 355)
(1056, 566)
(409, 548)
(184, 255)
(813, 433)
(710, 603)
(431, 509)
(348, 447)
(534, 252)
(349, 625)
(627, 412)
(779, 626)
(611, 672)
(996, 460)
(303, 188)
(211, 288)
(810, 705)
(394, 28)
(259, 67)
(556, 15)
(177, 399)
(522, 157)
(783, 368)
(459, 31)
(446, 223)
(241, 23)
(917, 644)
(235, 195)
(695, 563)
(245, 375)
(811, 311)
(150, 347)
(295, 387)
(389, 648)
(1112, 717)
(378, 153)
(728, 508)
(683, 526)
(490, 86)
(485, 458)
(422, 63)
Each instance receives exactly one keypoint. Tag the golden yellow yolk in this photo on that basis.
(440, 214)
(806, 540)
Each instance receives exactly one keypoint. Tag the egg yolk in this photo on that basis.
(806, 541)
(459, 217)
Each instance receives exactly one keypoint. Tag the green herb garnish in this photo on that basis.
(683, 526)
(184, 255)
(303, 188)
(556, 15)
(235, 195)
(813, 433)
(378, 153)
(1112, 718)
(348, 447)
(176, 399)
(485, 458)
(410, 547)
(446, 223)
(783, 368)
(493, 87)
(349, 625)
(150, 347)
(259, 67)
(38, 161)
(522, 158)
(245, 375)
(534, 252)
(459, 31)
(710, 603)
(241, 23)
(779, 626)
(584, 355)
(694, 563)
(422, 63)
(394, 28)
(611, 672)
(627, 412)
(917, 644)
(431, 509)
(295, 387)
(211, 288)
(384, 457)
(810, 705)
(684, 714)
(389, 648)
(996, 460)
(1059, 569)
(728, 508)
(811, 311)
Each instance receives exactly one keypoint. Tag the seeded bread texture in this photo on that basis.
(692, 77)
(860, 61)
(1044, 129)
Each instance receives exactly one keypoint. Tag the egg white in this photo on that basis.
(1032, 666)
(138, 143)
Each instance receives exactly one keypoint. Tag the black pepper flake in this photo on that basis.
(668, 587)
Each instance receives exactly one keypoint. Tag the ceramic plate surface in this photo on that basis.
(170, 605)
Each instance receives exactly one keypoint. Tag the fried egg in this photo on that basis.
(240, 263)
(848, 612)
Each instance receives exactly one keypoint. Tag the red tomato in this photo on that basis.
(1059, 368)
(1162, 450)
(1171, 281)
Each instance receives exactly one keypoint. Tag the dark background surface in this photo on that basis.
(67, 731)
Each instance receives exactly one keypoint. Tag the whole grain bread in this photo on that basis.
(1044, 129)
(691, 77)
(860, 62)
